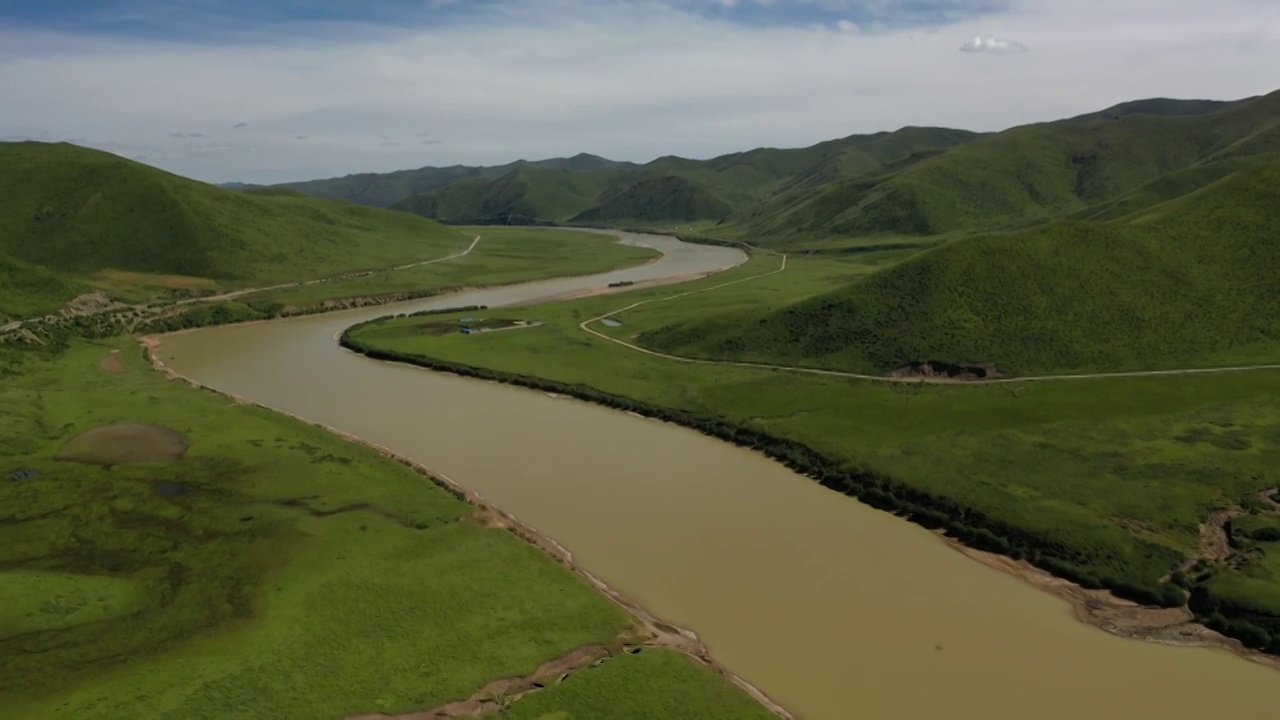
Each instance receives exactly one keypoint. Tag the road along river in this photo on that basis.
(835, 610)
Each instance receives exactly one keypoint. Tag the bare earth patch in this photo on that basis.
(1269, 497)
(111, 363)
(124, 444)
(1101, 609)
(498, 694)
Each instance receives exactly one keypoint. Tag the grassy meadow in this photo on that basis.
(1104, 481)
(274, 571)
(504, 255)
(652, 684)
(1191, 282)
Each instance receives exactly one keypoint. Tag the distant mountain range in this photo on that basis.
(913, 182)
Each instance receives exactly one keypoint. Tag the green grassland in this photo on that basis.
(1191, 282)
(1105, 483)
(652, 684)
(275, 571)
(74, 214)
(504, 255)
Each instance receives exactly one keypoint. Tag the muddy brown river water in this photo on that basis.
(835, 610)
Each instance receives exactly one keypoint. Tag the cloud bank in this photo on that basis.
(626, 79)
(994, 46)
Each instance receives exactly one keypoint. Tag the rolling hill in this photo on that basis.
(68, 214)
(916, 182)
(387, 189)
(1190, 281)
(517, 197)
(669, 189)
(1026, 174)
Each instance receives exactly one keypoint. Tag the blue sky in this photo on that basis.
(211, 20)
(287, 89)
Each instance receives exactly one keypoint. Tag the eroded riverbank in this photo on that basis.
(827, 605)
(655, 632)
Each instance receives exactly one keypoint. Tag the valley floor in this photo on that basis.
(170, 552)
(1108, 483)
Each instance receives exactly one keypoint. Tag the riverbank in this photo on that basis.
(1120, 617)
(397, 593)
(661, 633)
(507, 256)
(778, 577)
(1096, 607)
(927, 492)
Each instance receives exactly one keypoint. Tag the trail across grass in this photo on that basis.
(339, 278)
(585, 326)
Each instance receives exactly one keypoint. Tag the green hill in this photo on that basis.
(387, 189)
(901, 186)
(1026, 174)
(519, 196)
(669, 188)
(69, 214)
(1160, 106)
(1188, 282)
(668, 197)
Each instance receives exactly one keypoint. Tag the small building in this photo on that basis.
(24, 475)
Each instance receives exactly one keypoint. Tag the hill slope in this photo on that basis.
(68, 213)
(387, 189)
(1026, 174)
(671, 188)
(520, 196)
(912, 183)
(1191, 281)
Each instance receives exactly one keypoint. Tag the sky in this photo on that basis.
(277, 90)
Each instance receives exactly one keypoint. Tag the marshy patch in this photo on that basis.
(124, 444)
(1233, 438)
(112, 363)
(170, 490)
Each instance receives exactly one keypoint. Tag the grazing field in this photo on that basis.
(273, 571)
(503, 255)
(1105, 483)
(653, 684)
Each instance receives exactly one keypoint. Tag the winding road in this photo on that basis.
(584, 326)
(346, 276)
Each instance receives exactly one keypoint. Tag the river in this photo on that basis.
(835, 610)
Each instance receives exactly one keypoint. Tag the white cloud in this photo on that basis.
(621, 79)
(992, 45)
